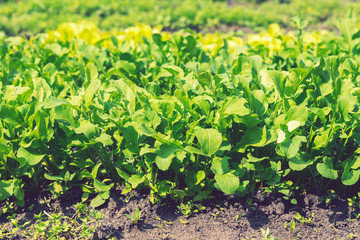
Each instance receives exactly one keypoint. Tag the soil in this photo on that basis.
(224, 217)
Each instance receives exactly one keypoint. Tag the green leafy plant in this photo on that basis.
(354, 204)
(303, 220)
(267, 234)
(136, 217)
(82, 224)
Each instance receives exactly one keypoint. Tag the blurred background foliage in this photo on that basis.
(33, 16)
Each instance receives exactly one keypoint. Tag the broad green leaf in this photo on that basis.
(219, 165)
(210, 140)
(102, 187)
(256, 137)
(132, 138)
(200, 176)
(105, 195)
(4, 148)
(6, 189)
(235, 106)
(135, 180)
(205, 78)
(281, 136)
(56, 48)
(355, 163)
(86, 128)
(97, 201)
(30, 158)
(64, 113)
(326, 168)
(228, 183)
(298, 113)
(122, 174)
(105, 139)
(259, 102)
(292, 125)
(175, 70)
(91, 73)
(164, 156)
(291, 147)
(41, 90)
(91, 90)
(346, 104)
(10, 115)
(332, 64)
(279, 80)
(53, 102)
(349, 176)
(322, 139)
(194, 178)
(299, 162)
(157, 39)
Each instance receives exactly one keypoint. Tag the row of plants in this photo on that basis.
(168, 114)
(34, 16)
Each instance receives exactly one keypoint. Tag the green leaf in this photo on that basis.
(91, 90)
(135, 180)
(251, 158)
(157, 39)
(292, 125)
(30, 158)
(228, 183)
(281, 136)
(193, 150)
(235, 106)
(256, 137)
(105, 139)
(355, 163)
(279, 80)
(102, 187)
(346, 104)
(299, 162)
(174, 70)
(91, 72)
(53, 102)
(292, 146)
(219, 165)
(210, 140)
(298, 113)
(326, 169)
(350, 177)
(322, 139)
(164, 156)
(86, 128)
(199, 177)
(205, 78)
(97, 201)
(6, 189)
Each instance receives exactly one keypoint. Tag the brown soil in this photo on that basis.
(222, 218)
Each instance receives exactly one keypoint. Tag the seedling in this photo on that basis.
(267, 234)
(329, 197)
(58, 226)
(304, 220)
(183, 221)
(136, 217)
(292, 227)
(354, 204)
(352, 236)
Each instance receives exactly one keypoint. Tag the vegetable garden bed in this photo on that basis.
(184, 117)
